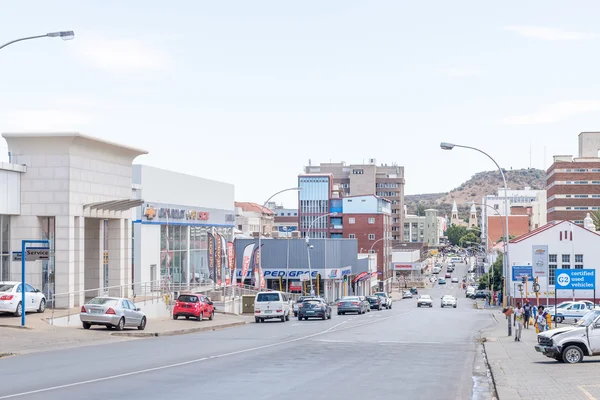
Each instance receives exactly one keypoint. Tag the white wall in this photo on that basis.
(10, 188)
(405, 256)
(147, 252)
(360, 205)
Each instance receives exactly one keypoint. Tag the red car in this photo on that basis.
(194, 305)
(448, 275)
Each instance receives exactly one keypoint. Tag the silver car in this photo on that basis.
(112, 312)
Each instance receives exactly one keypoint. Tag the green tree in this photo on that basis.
(510, 237)
(484, 280)
(596, 218)
(467, 239)
(454, 233)
(420, 209)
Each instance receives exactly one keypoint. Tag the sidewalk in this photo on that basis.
(520, 372)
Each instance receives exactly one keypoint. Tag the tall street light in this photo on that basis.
(450, 146)
(260, 228)
(383, 255)
(333, 214)
(64, 35)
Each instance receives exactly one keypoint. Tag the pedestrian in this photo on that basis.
(534, 311)
(519, 316)
(495, 298)
(540, 321)
(527, 311)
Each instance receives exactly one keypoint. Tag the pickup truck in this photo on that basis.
(571, 343)
(386, 300)
(574, 311)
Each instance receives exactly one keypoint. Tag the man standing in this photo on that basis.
(541, 319)
(527, 314)
(519, 315)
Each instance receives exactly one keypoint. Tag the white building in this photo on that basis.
(248, 219)
(188, 208)
(569, 246)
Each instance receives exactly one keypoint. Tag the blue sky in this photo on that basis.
(248, 91)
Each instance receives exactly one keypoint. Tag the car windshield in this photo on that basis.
(312, 301)
(350, 299)
(268, 297)
(187, 299)
(104, 301)
(588, 318)
(380, 294)
(302, 298)
(6, 287)
(426, 297)
(448, 297)
(372, 298)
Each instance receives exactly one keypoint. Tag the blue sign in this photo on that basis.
(575, 279)
(285, 229)
(518, 272)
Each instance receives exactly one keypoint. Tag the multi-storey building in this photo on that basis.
(285, 221)
(248, 217)
(368, 220)
(383, 180)
(315, 206)
(423, 228)
(573, 184)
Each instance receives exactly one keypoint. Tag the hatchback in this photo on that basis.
(193, 305)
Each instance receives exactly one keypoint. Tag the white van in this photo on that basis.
(268, 305)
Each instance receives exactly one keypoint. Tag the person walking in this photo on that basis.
(527, 314)
(534, 311)
(540, 321)
(519, 315)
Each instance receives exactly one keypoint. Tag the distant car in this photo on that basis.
(470, 292)
(314, 308)
(375, 302)
(351, 304)
(298, 302)
(425, 301)
(407, 295)
(441, 281)
(193, 305)
(449, 301)
(11, 297)
(365, 302)
(112, 312)
(480, 295)
(414, 291)
(385, 297)
(448, 275)
(272, 305)
(455, 280)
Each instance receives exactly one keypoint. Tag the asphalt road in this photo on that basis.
(406, 352)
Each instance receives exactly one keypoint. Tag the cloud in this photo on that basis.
(555, 112)
(544, 33)
(463, 72)
(44, 120)
(122, 55)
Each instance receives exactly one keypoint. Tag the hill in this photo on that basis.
(481, 184)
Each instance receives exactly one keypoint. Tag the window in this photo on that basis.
(358, 171)
(566, 258)
(351, 236)
(579, 258)
(371, 220)
(371, 236)
(552, 259)
(351, 220)
(566, 266)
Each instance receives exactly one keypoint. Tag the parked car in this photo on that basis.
(441, 281)
(470, 292)
(193, 305)
(574, 311)
(351, 304)
(112, 312)
(407, 295)
(270, 305)
(298, 302)
(449, 301)
(375, 302)
(314, 308)
(480, 294)
(365, 302)
(387, 298)
(425, 301)
(11, 298)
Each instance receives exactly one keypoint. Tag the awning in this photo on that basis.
(359, 277)
(115, 205)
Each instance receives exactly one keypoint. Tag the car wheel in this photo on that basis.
(142, 324)
(86, 325)
(572, 355)
(19, 310)
(42, 306)
(121, 324)
(282, 318)
(329, 317)
(287, 317)
(339, 313)
(212, 316)
(175, 316)
(454, 306)
(431, 305)
(299, 318)
(441, 305)
(295, 314)
(200, 316)
(559, 319)
(418, 305)
(256, 320)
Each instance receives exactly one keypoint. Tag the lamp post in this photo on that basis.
(64, 35)
(260, 233)
(333, 214)
(450, 146)
(371, 249)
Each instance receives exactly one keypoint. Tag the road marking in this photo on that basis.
(588, 394)
(169, 366)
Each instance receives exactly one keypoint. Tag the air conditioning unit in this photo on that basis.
(295, 234)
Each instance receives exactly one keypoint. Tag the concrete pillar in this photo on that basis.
(79, 260)
(92, 257)
(187, 257)
(64, 261)
(127, 249)
(116, 257)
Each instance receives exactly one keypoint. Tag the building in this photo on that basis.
(454, 218)
(285, 220)
(423, 228)
(248, 219)
(408, 266)
(517, 225)
(383, 180)
(285, 262)
(560, 245)
(473, 222)
(368, 220)
(525, 201)
(74, 191)
(184, 209)
(317, 201)
(573, 184)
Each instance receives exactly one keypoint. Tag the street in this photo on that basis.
(406, 352)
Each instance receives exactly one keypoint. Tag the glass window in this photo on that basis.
(371, 236)
(566, 258)
(4, 247)
(551, 273)
(351, 236)
(371, 220)
(48, 231)
(578, 258)
(552, 258)
(351, 220)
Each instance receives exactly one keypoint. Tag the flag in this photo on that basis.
(247, 257)
(219, 258)
(211, 257)
(257, 272)
(231, 262)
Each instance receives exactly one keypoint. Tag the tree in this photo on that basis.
(510, 237)
(467, 239)
(484, 280)
(420, 209)
(454, 233)
(596, 218)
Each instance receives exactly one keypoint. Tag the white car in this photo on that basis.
(449, 301)
(455, 280)
(425, 301)
(271, 305)
(574, 311)
(11, 298)
(386, 300)
(407, 295)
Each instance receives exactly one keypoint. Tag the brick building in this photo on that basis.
(517, 225)
(573, 184)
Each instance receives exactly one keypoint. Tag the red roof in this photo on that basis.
(545, 228)
(253, 207)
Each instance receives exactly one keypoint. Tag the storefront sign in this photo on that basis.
(276, 273)
(176, 214)
(403, 267)
(295, 286)
(539, 260)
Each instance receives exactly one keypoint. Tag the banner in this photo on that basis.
(257, 272)
(247, 257)
(225, 273)
(212, 273)
(231, 263)
(219, 258)
(539, 260)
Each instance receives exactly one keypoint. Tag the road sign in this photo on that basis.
(304, 278)
(518, 272)
(575, 279)
(33, 254)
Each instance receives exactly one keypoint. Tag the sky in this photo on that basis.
(247, 92)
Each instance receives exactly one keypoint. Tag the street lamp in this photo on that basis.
(333, 214)
(450, 146)
(64, 35)
(260, 224)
